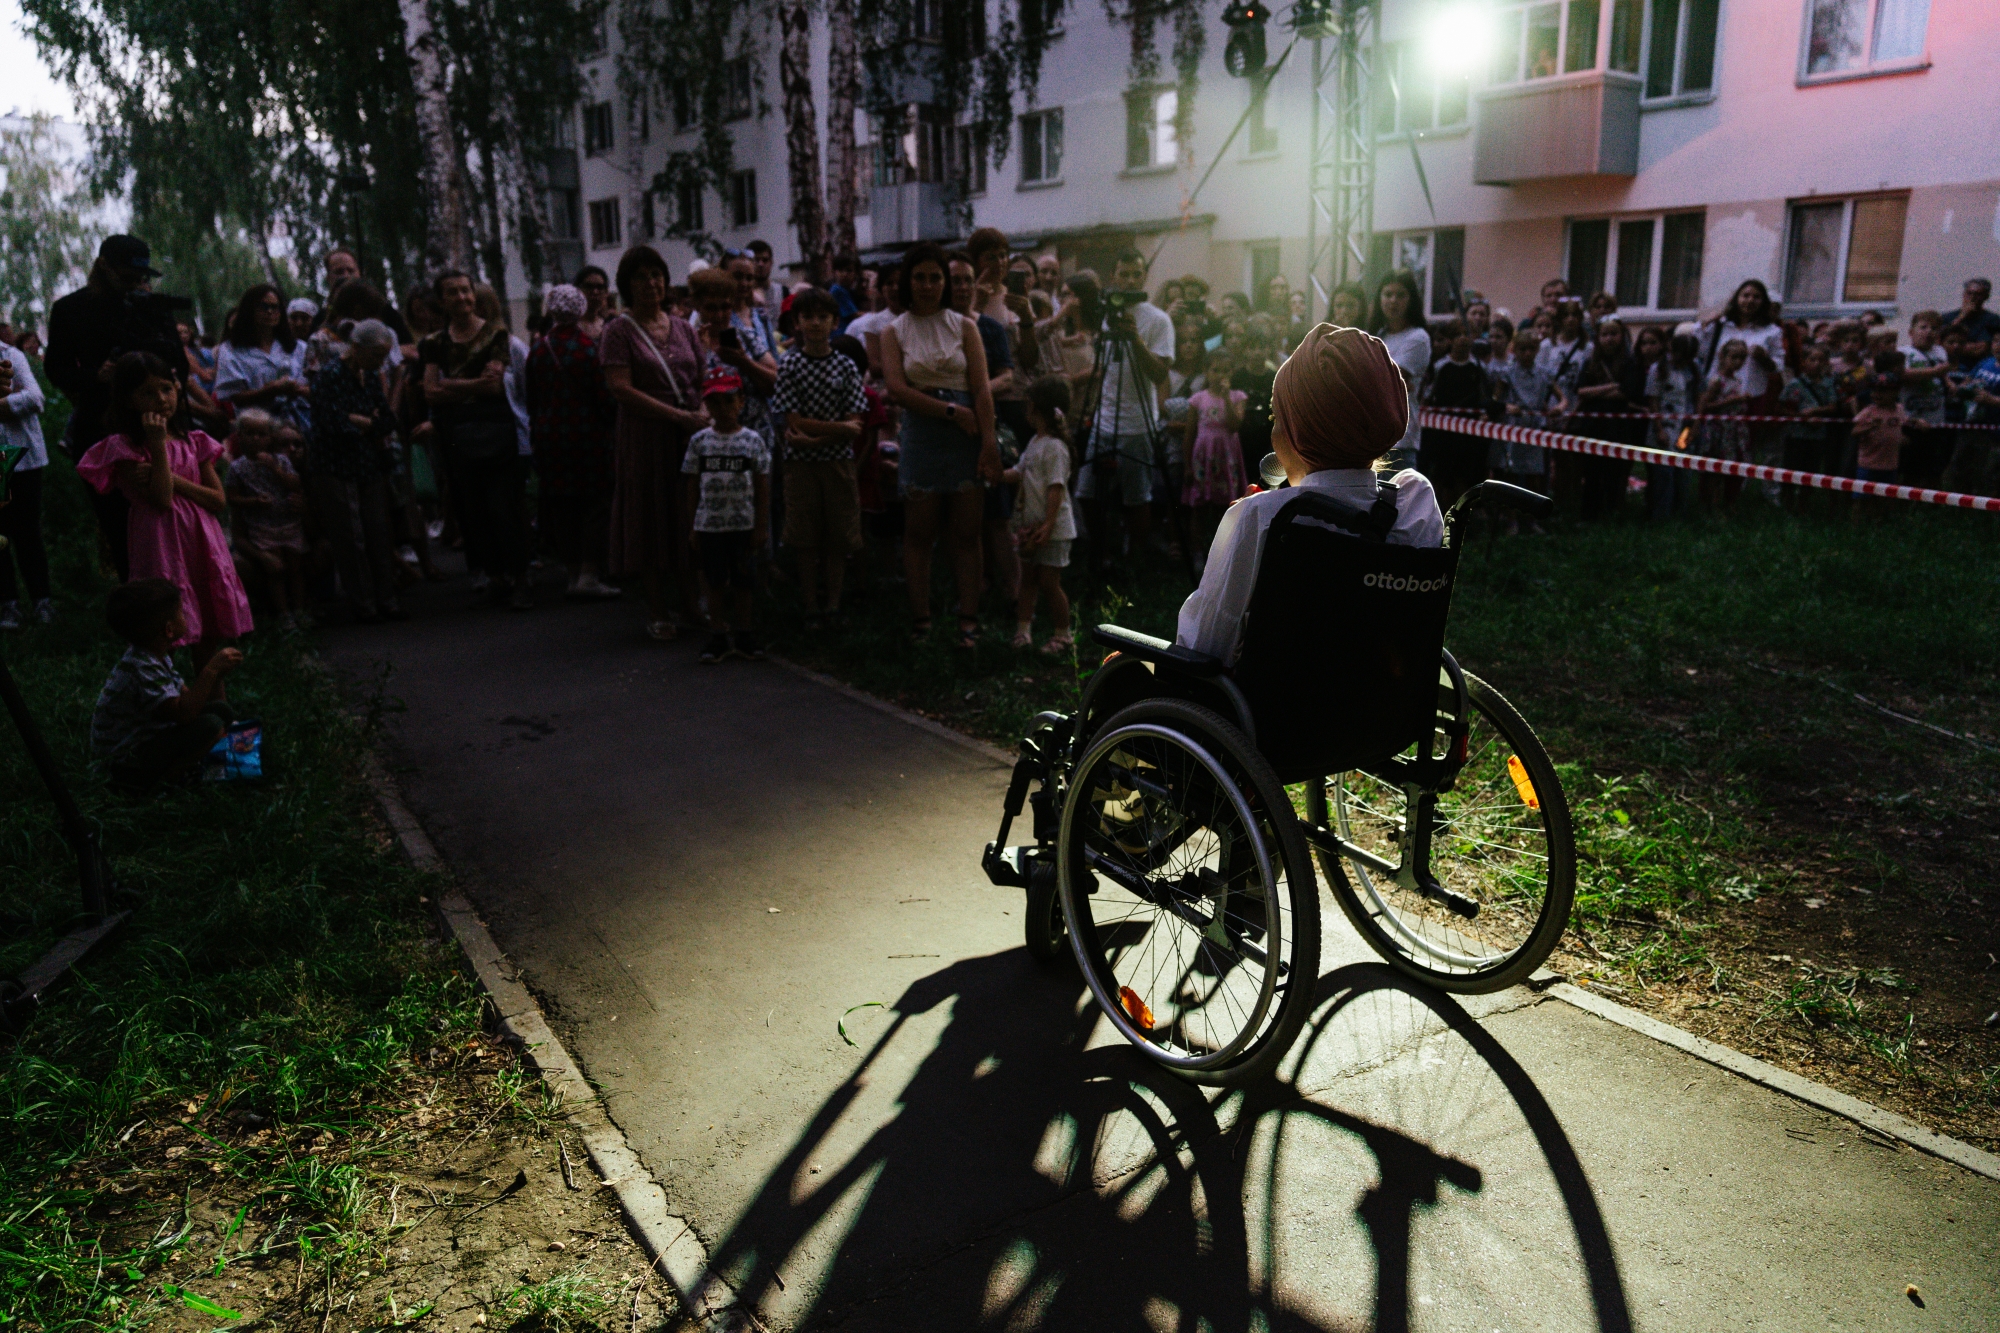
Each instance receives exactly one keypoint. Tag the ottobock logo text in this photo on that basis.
(1402, 583)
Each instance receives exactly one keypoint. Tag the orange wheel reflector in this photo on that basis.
(1519, 772)
(1135, 1008)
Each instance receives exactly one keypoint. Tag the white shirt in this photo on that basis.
(515, 381)
(1767, 336)
(1211, 619)
(1127, 403)
(1411, 351)
(26, 403)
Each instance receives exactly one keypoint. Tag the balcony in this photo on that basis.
(1583, 124)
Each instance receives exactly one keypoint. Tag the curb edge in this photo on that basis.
(1748, 1067)
(676, 1251)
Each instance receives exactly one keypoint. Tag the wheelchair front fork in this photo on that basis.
(1011, 867)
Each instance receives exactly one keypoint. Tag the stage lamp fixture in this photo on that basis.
(1244, 55)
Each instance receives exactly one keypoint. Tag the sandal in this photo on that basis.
(968, 632)
(1021, 639)
(662, 631)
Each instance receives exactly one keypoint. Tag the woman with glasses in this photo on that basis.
(595, 284)
(262, 364)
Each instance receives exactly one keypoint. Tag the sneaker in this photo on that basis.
(748, 646)
(10, 615)
(523, 598)
(434, 529)
(45, 611)
(715, 649)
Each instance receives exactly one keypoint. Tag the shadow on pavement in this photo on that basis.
(986, 1169)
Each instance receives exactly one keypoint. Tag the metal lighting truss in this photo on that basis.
(1340, 181)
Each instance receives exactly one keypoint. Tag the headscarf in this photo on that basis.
(1339, 399)
(564, 304)
(301, 306)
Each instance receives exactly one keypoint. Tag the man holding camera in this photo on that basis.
(115, 313)
(1136, 351)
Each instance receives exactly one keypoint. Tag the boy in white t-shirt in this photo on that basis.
(728, 471)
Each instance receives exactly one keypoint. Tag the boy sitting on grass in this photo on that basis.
(148, 725)
(728, 471)
(820, 393)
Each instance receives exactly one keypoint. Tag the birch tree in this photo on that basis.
(802, 132)
(843, 85)
(447, 238)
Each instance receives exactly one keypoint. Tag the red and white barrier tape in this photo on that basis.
(1692, 417)
(1576, 444)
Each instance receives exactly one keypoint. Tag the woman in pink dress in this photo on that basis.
(1215, 463)
(168, 471)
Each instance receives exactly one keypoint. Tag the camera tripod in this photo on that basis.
(19, 996)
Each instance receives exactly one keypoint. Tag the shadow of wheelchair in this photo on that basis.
(995, 1171)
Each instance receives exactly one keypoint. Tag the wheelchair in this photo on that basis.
(1177, 815)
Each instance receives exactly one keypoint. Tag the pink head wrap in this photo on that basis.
(1339, 399)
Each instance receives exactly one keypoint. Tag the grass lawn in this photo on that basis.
(213, 1117)
(1763, 858)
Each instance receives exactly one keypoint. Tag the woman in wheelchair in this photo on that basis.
(1306, 709)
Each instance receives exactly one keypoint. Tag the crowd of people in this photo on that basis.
(692, 440)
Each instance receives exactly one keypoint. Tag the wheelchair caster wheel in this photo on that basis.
(1048, 936)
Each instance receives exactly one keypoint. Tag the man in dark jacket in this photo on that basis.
(115, 313)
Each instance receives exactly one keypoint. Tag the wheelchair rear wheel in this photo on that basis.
(1189, 894)
(1500, 838)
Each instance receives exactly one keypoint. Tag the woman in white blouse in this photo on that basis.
(260, 363)
(1399, 323)
(935, 369)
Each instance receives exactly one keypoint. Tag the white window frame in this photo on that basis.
(1427, 237)
(616, 206)
(1518, 12)
(1678, 97)
(742, 198)
(595, 145)
(1870, 67)
(1841, 304)
(1162, 105)
(1659, 220)
(1260, 120)
(740, 92)
(1432, 87)
(1037, 123)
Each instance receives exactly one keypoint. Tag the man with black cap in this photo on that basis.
(115, 313)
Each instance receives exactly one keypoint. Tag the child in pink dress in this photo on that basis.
(1215, 463)
(168, 471)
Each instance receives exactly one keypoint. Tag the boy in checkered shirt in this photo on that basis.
(820, 394)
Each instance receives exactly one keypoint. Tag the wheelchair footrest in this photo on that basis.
(1011, 867)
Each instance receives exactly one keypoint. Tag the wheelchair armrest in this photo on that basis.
(1158, 651)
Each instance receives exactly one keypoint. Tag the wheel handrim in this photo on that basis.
(1182, 910)
(1488, 844)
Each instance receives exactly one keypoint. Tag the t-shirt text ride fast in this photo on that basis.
(728, 466)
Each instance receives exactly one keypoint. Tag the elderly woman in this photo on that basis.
(1339, 403)
(261, 364)
(570, 422)
(652, 363)
(349, 468)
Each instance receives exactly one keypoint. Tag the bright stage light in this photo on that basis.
(1459, 37)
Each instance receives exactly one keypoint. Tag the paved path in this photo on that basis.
(699, 869)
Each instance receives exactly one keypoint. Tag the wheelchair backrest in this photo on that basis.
(1343, 638)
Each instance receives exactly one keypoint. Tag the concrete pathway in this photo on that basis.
(701, 869)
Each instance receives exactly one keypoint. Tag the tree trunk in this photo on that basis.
(802, 134)
(447, 240)
(494, 261)
(530, 188)
(843, 66)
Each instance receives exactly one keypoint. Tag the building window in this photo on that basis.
(1042, 147)
(1680, 47)
(597, 126)
(1647, 263)
(1152, 137)
(918, 144)
(1263, 134)
(1410, 96)
(1435, 258)
(1540, 41)
(687, 206)
(1264, 266)
(596, 40)
(1844, 38)
(1845, 251)
(965, 164)
(563, 215)
(645, 116)
(606, 229)
(743, 199)
(564, 133)
(739, 94)
(683, 107)
(648, 224)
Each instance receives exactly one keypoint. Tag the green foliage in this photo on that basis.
(569, 1301)
(47, 233)
(274, 967)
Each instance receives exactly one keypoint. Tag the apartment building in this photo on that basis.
(1844, 151)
